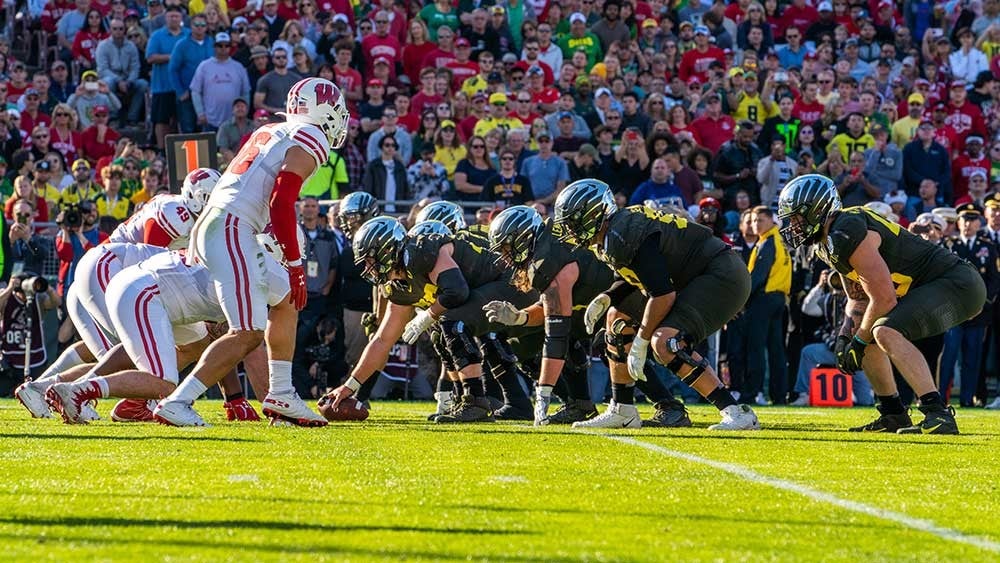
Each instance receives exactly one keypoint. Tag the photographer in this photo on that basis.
(20, 302)
(77, 234)
(27, 247)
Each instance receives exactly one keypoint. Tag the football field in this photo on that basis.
(399, 488)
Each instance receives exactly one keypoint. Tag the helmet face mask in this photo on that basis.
(355, 209)
(197, 188)
(804, 207)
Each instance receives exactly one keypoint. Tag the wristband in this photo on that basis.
(294, 263)
(352, 384)
(856, 337)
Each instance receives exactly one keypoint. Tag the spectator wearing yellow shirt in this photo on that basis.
(152, 184)
(751, 105)
(854, 139)
(448, 151)
(40, 181)
(112, 203)
(328, 179)
(905, 127)
(497, 119)
(83, 187)
(478, 83)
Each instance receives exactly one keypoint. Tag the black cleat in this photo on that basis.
(669, 414)
(512, 412)
(938, 419)
(574, 410)
(468, 409)
(885, 423)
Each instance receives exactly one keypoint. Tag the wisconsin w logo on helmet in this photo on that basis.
(804, 206)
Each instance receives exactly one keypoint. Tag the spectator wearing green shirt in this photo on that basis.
(580, 38)
(437, 14)
(328, 179)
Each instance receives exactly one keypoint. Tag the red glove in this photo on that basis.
(297, 279)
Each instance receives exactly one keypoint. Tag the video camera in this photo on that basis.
(71, 217)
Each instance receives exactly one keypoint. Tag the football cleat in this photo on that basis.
(88, 412)
(616, 416)
(511, 412)
(240, 410)
(133, 410)
(291, 408)
(885, 423)
(801, 401)
(669, 414)
(445, 403)
(68, 399)
(31, 395)
(737, 417)
(995, 405)
(573, 410)
(177, 413)
(468, 409)
(938, 419)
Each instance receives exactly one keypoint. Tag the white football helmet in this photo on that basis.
(319, 102)
(271, 246)
(197, 188)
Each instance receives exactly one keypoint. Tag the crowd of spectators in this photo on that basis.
(711, 106)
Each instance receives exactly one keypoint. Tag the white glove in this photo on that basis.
(637, 358)
(597, 308)
(543, 397)
(502, 312)
(417, 326)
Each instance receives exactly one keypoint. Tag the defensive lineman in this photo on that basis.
(900, 288)
(260, 186)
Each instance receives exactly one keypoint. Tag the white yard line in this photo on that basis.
(817, 495)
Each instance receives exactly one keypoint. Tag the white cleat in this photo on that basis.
(760, 400)
(65, 398)
(88, 413)
(737, 417)
(177, 413)
(291, 408)
(801, 401)
(616, 416)
(995, 405)
(31, 395)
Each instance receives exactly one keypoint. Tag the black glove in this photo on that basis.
(850, 353)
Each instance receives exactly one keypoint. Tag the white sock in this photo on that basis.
(543, 391)
(189, 390)
(279, 376)
(68, 359)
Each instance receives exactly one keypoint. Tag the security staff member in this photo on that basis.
(971, 245)
(770, 281)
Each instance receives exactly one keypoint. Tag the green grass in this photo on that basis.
(399, 488)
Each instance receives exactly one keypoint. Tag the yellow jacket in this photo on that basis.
(770, 265)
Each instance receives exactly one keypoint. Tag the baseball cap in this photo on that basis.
(131, 13)
(499, 10)
(494, 77)
(535, 70)
(100, 110)
(462, 42)
(240, 20)
(42, 165)
(649, 22)
(261, 113)
(709, 202)
(701, 30)
(735, 71)
(915, 97)
(973, 139)
(31, 92)
(479, 95)
(590, 150)
(241, 101)
(543, 134)
(258, 51)
(447, 123)
(602, 92)
(509, 58)
(89, 74)
(685, 24)
(909, 61)
(565, 115)
(940, 106)
(375, 83)
(577, 17)
(222, 37)
(851, 41)
(80, 164)
(382, 61)
(957, 84)
(498, 98)
(824, 6)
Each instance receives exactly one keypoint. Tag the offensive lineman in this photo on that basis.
(694, 283)
(900, 288)
(261, 186)
(565, 277)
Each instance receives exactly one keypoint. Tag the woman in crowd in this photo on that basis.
(473, 170)
(86, 40)
(65, 136)
(302, 62)
(700, 160)
(806, 141)
(680, 123)
(57, 168)
(654, 107)
(24, 190)
(216, 19)
(657, 144)
(427, 133)
(417, 47)
(311, 27)
(494, 140)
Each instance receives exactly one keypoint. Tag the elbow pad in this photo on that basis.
(453, 290)
(556, 345)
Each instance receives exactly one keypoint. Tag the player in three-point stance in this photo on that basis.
(900, 288)
(693, 284)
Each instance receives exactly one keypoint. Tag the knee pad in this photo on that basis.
(620, 335)
(497, 354)
(440, 348)
(679, 345)
(460, 345)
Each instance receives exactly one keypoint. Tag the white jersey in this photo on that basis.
(169, 212)
(245, 188)
(188, 294)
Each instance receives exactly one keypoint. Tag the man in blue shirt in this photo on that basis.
(659, 186)
(187, 55)
(158, 50)
(547, 170)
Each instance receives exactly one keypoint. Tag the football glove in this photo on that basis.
(850, 353)
(297, 281)
(595, 311)
(502, 312)
(417, 326)
(637, 358)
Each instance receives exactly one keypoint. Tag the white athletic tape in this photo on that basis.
(790, 486)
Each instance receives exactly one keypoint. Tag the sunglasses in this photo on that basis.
(510, 158)
(479, 146)
(499, 104)
(39, 136)
(390, 146)
(199, 25)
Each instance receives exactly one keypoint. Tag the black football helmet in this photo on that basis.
(804, 206)
(514, 233)
(355, 209)
(449, 213)
(377, 245)
(581, 210)
(429, 228)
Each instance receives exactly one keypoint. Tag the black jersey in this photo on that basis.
(912, 261)
(686, 247)
(551, 256)
(477, 264)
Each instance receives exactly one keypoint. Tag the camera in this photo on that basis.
(71, 217)
(33, 285)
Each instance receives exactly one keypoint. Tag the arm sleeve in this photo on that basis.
(653, 274)
(453, 290)
(762, 267)
(286, 191)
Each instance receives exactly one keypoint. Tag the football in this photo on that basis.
(349, 409)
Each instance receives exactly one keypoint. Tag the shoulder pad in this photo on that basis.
(312, 139)
(174, 218)
(420, 254)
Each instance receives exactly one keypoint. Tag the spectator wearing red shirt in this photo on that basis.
(86, 40)
(98, 140)
(349, 79)
(407, 118)
(18, 83)
(54, 10)
(963, 116)
(696, 62)
(714, 127)
(65, 138)
(427, 98)
(807, 107)
(24, 189)
(380, 44)
(971, 161)
(416, 50)
(462, 68)
(798, 15)
(332, 7)
(397, 19)
(543, 97)
(287, 10)
(944, 134)
(32, 116)
(477, 111)
(524, 107)
(530, 58)
(444, 53)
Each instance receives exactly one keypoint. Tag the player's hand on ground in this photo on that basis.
(596, 311)
(637, 358)
(417, 326)
(297, 281)
(502, 312)
(850, 353)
